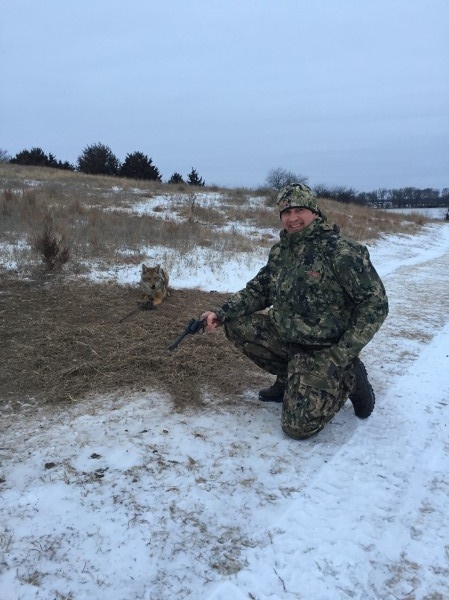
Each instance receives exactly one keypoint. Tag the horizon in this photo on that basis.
(212, 185)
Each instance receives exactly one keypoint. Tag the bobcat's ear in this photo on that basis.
(144, 268)
(158, 268)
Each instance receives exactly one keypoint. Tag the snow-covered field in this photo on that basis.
(123, 498)
(432, 213)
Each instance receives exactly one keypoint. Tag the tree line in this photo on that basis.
(98, 159)
(406, 197)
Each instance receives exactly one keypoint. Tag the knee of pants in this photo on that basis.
(301, 433)
(305, 412)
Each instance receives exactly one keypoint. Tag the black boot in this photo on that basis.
(362, 397)
(274, 393)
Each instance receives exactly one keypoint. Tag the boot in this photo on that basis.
(362, 397)
(274, 393)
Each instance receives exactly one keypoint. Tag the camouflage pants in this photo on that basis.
(315, 389)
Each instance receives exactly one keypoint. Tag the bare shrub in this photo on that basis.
(51, 246)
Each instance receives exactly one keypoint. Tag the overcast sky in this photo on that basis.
(345, 92)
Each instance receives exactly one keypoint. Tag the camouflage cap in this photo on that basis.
(297, 195)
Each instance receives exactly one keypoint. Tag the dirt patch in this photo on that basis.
(62, 341)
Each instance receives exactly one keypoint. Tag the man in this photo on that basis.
(325, 302)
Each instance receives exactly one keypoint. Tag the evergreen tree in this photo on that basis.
(35, 157)
(139, 166)
(176, 178)
(65, 165)
(52, 162)
(98, 159)
(195, 179)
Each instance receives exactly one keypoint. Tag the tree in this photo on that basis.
(176, 178)
(52, 246)
(195, 179)
(322, 191)
(98, 159)
(35, 157)
(279, 178)
(344, 194)
(339, 193)
(65, 166)
(445, 196)
(4, 156)
(138, 166)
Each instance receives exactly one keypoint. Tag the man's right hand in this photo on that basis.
(211, 319)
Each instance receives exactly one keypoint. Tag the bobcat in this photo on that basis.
(154, 284)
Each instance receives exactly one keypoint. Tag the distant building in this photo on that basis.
(380, 204)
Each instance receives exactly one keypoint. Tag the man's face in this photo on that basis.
(297, 219)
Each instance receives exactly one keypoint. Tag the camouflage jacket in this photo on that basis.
(323, 291)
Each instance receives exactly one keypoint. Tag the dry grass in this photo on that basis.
(364, 223)
(94, 217)
(96, 213)
(60, 343)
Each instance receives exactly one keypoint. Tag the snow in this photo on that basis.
(124, 497)
(200, 268)
(432, 213)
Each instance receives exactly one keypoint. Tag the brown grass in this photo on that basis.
(363, 223)
(62, 342)
(85, 202)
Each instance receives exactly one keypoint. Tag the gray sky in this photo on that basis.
(345, 92)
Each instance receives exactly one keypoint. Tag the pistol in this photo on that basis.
(193, 326)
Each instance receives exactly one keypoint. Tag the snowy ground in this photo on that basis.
(122, 498)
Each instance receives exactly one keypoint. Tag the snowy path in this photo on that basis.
(141, 502)
(372, 523)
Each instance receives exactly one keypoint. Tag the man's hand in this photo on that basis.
(212, 322)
